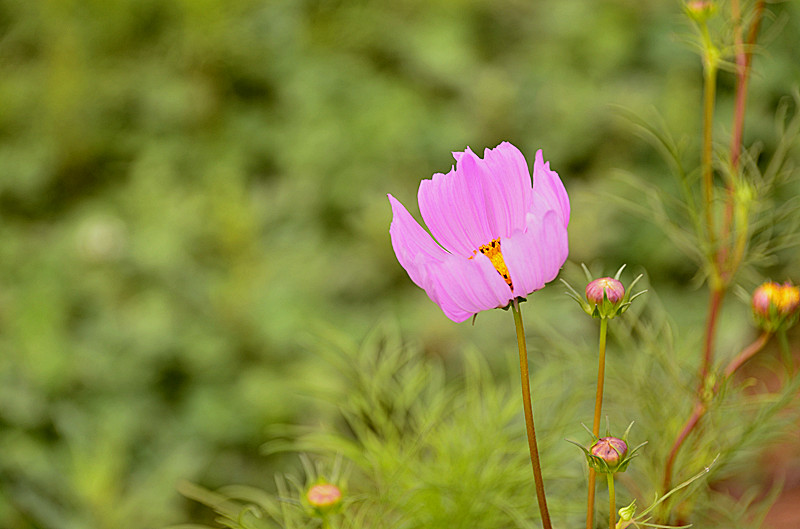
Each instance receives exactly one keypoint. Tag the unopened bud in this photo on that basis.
(605, 288)
(764, 297)
(606, 297)
(627, 513)
(323, 497)
(610, 449)
(701, 10)
(776, 305)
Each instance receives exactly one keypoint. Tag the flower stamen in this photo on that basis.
(492, 251)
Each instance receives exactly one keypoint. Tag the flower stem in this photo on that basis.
(526, 404)
(710, 59)
(701, 407)
(714, 306)
(598, 409)
(746, 354)
(786, 352)
(612, 516)
(744, 58)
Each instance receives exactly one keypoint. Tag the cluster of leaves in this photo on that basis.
(427, 451)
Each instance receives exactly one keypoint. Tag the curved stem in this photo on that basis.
(526, 404)
(598, 409)
(746, 354)
(612, 516)
(700, 407)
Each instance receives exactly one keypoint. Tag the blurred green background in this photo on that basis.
(189, 188)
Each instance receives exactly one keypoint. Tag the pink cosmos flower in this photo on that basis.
(499, 237)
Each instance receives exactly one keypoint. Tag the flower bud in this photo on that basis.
(609, 455)
(626, 513)
(775, 305)
(764, 297)
(606, 297)
(611, 450)
(700, 10)
(605, 288)
(323, 498)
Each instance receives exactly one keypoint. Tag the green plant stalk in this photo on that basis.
(710, 59)
(786, 352)
(612, 516)
(526, 404)
(598, 410)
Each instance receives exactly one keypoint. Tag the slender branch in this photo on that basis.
(744, 58)
(746, 354)
(598, 410)
(699, 411)
(714, 306)
(526, 404)
(701, 407)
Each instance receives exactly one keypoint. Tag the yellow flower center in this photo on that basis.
(492, 251)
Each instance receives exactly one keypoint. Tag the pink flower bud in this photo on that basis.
(610, 449)
(700, 10)
(776, 306)
(612, 288)
(323, 496)
(764, 297)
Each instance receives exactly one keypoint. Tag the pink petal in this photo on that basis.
(463, 287)
(453, 208)
(414, 248)
(478, 201)
(535, 256)
(548, 190)
(508, 188)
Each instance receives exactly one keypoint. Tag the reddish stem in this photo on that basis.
(746, 354)
(700, 407)
(714, 305)
(697, 413)
(744, 59)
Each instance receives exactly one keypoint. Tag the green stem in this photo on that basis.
(598, 410)
(526, 404)
(710, 89)
(612, 515)
(786, 352)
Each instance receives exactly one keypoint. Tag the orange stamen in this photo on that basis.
(492, 251)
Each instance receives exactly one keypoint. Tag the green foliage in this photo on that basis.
(429, 452)
(187, 186)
